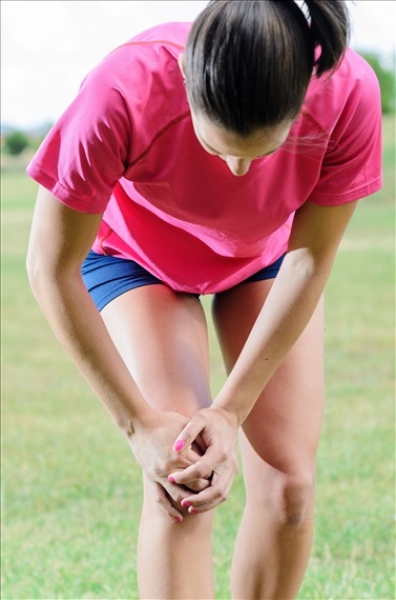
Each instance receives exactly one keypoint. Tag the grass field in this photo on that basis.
(71, 490)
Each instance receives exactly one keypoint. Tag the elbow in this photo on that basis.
(31, 267)
(34, 272)
(49, 274)
(309, 264)
(40, 270)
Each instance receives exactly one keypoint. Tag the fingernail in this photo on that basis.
(171, 479)
(179, 445)
(178, 519)
(193, 511)
(185, 503)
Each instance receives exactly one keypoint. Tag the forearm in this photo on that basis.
(288, 309)
(78, 325)
(294, 295)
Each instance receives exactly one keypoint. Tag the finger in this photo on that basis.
(190, 433)
(202, 469)
(208, 499)
(161, 497)
(198, 486)
(194, 484)
(216, 493)
(188, 457)
(176, 492)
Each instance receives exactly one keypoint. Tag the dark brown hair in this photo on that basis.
(249, 62)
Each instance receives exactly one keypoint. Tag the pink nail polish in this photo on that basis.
(170, 478)
(185, 503)
(178, 519)
(193, 511)
(179, 445)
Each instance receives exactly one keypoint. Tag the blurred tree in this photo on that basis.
(386, 78)
(15, 142)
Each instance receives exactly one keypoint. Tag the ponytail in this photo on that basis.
(249, 62)
(330, 30)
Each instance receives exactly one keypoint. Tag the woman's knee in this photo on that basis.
(296, 497)
(287, 496)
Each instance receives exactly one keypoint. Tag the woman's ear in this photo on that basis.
(182, 65)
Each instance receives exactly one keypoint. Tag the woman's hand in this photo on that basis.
(151, 443)
(217, 428)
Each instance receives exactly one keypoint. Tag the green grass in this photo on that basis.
(71, 491)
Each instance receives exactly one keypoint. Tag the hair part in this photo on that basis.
(249, 62)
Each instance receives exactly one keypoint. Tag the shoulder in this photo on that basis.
(355, 69)
(347, 105)
(151, 49)
(354, 79)
(143, 67)
(172, 33)
(141, 82)
(352, 87)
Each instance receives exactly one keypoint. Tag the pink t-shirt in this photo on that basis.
(126, 146)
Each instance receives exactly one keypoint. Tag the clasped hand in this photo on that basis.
(195, 472)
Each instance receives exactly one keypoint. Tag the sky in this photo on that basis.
(47, 47)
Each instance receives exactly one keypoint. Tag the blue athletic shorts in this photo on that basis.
(107, 277)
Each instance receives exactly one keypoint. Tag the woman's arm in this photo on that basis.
(315, 236)
(60, 239)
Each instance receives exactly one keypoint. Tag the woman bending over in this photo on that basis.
(222, 157)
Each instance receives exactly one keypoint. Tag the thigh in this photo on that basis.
(162, 337)
(282, 431)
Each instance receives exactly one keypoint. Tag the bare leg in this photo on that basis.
(279, 447)
(162, 337)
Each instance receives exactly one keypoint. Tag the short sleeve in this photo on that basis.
(352, 166)
(85, 153)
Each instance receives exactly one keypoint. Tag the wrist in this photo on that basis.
(228, 413)
(131, 424)
(237, 398)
